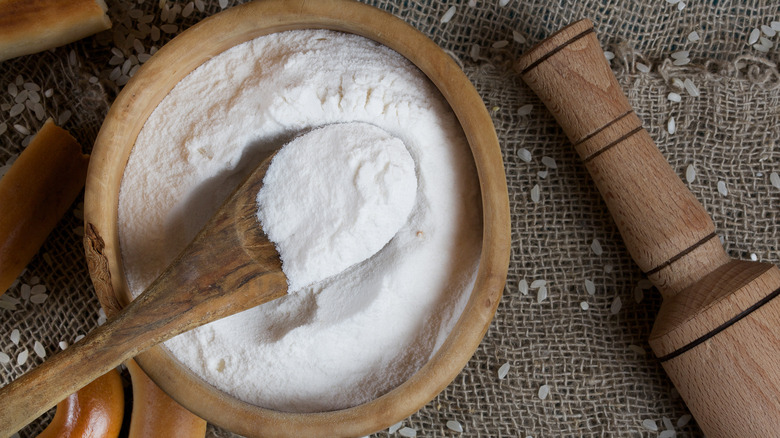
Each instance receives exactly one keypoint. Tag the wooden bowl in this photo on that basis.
(213, 36)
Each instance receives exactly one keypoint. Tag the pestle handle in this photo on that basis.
(666, 230)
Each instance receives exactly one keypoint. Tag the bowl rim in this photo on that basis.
(186, 52)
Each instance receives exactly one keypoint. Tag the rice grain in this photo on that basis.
(753, 38)
(584, 305)
(454, 426)
(595, 246)
(617, 304)
(536, 284)
(4, 358)
(693, 36)
(16, 110)
(650, 425)
(535, 194)
(690, 173)
(768, 31)
(64, 117)
(523, 287)
(474, 51)
(541, 294)
(684, 420)
(549, 162)
(774, 178)
(722, 188)
(38, 299)
(503, 371)
(544, 391)
(448, 15)
(691, 88)
(407, 432)
(39, 350)
(639, 294)
(22, 357)
(525, 110)
(187, 11)
(671, 126)
(761, 48)
(590, 287)
(15, 336)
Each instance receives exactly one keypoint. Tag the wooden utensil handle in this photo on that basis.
(192, 291)
(667, 231)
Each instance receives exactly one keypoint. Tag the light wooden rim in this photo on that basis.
(241, 23)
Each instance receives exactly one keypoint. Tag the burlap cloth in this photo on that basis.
(602, 377)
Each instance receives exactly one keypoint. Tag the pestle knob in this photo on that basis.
(717, 333)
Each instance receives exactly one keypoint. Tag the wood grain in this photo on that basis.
(214, 277)
(717, 332)
(657, 216)
(30, 26)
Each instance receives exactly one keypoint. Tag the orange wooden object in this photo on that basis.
(38, 189)
(96, 411)
(157, 415)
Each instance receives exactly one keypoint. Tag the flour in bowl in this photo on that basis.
(354, 336)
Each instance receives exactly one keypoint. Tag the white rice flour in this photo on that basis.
(351, 337)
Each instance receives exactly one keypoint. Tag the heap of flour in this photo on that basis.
(333, 197)
(356, 335)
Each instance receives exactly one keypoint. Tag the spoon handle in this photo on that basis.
(229, 267)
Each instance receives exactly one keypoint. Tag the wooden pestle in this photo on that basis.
(717, 333)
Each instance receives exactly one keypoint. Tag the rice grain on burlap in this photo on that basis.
(602, 376)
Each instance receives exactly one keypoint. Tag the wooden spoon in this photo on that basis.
(229, 267)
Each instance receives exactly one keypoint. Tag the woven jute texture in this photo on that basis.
(602, 377)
